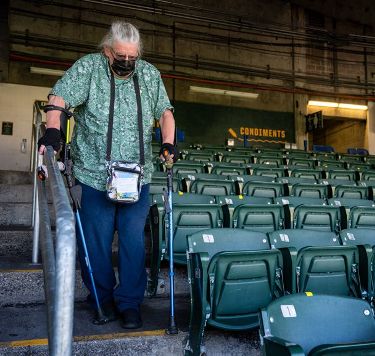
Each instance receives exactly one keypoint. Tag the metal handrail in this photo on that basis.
(58, 262)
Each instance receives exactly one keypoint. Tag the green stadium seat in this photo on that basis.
(301, 162)
(232, 274)
(268, 161)
(227, 169)
(159, 183)
(157, 225)
(319, 191)
(317, 217)
(298, 154)
(234, 157)
(306, 173)
(368, 176)
(362, 217)
(187, 179)
(261, 217)
(268, 172)
(294, 180)
(331, 164)
(365, 240)
(353, 192)
(315, 261)
(344, 174)
(200, 156)
(240, 181)
(184, 167)
(265, 189)
(230, 202)
(306, 324)
(212, 186)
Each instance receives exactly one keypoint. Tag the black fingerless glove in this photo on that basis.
(172, 150)
(52, 137)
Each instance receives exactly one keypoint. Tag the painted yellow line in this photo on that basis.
(20, 343)
(21, 270)
(44, 342)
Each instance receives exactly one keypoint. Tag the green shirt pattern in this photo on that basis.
(86, 87)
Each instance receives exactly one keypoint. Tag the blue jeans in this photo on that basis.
(100, 218)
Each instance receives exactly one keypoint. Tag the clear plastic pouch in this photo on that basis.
(124, 181)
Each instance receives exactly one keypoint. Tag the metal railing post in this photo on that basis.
(58, 260)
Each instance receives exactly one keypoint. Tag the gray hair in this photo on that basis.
(122, 32)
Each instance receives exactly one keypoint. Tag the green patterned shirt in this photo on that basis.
(86, 87)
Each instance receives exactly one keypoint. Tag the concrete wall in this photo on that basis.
(16, 105)
(287, 52)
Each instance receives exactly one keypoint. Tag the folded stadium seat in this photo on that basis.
(157, 224)
(268, 171)
(354, 192)
(230, 202)
(212, 186)
(235, 157)
(362, 217)
(187, 179)
(350, 158)
(344, 174)
(368, 176)
(224, 168)
(298, 154)
(331, 164)
(200, 156)
(232, 274)
(261, 217)
(360, 167)
(294, 180)
(320, 191)
(301, 162)
(370, 159)
(240, 181)
(184, 166)
(305, 173)
(364, 239)
(272, 161)
(315, 261)
(159, 183)
(317, 217)
(346, 204)
(265, 189)
(292, 202)
(307, 324)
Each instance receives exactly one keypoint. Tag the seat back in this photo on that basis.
(328, 270)
(314, 217)
(353, 192)
(243, 275)
(227, 169)
(361, 217)
(306, 173)
(188, 219)
(265, 189)
(303, 322)
(186, 167)
(269, 172)
(299, 238)
(319, 191)
(212, 186)
(262, 218)
(344, 174)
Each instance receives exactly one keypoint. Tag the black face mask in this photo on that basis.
(122, 67)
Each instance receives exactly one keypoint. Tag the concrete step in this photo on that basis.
(16, 177)
(23, 332)
(16, 193)
(16, 242)
(15, 214)
(25, 284)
